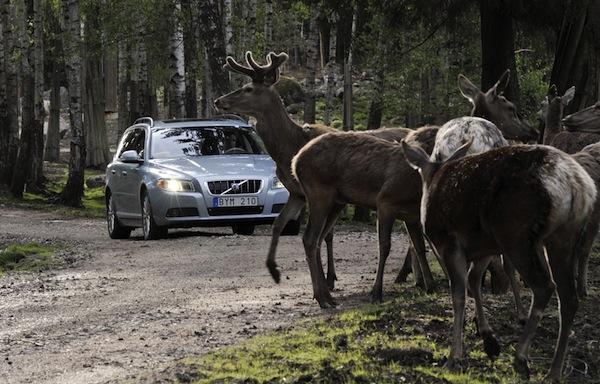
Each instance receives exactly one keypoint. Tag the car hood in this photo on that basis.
(219, 166)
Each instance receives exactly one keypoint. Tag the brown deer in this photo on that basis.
(283, 138)
(494, 107)
(528, 203)
(339, 168)
(554, 135)
(586, 120)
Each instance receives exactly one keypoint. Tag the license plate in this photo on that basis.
(235, 201)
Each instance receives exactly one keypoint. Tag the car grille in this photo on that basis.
(224, 211)
(234, 187)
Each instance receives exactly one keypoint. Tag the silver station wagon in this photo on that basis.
(184, 173)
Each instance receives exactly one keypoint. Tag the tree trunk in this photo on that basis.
(111, 81)
(251, 26)
(28, 167)
(348, 110)
(98, 155)
(269, 26)
(216, 80)
(176, 67)
(140, 95)
(312, 50)
(9, 129)
(376, 106)
(52, 152)
(190, 45)
(576, 53)
(331, 71)
(498, 47)
(73, 191)
(124, 82)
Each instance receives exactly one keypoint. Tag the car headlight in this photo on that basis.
(277, 184)
(175, 185)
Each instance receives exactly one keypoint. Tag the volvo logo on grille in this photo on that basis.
(235, 187)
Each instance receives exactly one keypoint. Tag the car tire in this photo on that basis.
(150, 229)
(115, 229)
(292, 228)
(243, 229)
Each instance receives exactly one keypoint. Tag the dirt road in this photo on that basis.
(122, 309)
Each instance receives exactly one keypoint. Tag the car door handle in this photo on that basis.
(124, 173)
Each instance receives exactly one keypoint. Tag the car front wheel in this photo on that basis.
(115, 229)
(243, 229)
(151, 230)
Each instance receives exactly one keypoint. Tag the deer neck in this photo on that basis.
(553, 124)
(283, 138)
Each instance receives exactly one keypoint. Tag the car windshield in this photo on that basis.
(170, 143)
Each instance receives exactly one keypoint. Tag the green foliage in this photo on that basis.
(27, 257)
(533, 74)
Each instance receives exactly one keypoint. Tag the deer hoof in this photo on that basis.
(274, 271)
(521, 367)
(491, 346)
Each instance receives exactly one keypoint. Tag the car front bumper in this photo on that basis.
(189, 209)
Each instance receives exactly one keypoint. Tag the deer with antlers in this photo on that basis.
(283, 138)
(528, 203)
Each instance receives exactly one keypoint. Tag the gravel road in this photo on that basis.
(123, 309)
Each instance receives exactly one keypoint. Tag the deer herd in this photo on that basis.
(463, 186)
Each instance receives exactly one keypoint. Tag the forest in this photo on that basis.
(84, 70)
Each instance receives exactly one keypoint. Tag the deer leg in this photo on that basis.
(455, 263)
(531, 263)
(583, 254)
(328, 233)
(420, 267)
(562, 263)
(317, 220)
(406, 266)
(290, 211)
(516, 290)
(385, 222)
(490, 343)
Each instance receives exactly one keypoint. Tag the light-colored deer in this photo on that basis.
(283, 138)
(528, 203)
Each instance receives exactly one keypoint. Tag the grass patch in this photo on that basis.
(56, 174)
(405, 340)
(27, 257)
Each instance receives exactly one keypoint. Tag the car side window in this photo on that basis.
(127, 143)
(140, 142)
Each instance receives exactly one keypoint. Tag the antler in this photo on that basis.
(267, 74)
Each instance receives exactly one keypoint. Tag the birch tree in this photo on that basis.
(331, 70)
(56, 60)
(73, 190)
(312, 54)
(176, 66)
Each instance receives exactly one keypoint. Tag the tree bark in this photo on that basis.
(52, 152)
(36, 180)
(111, 82)
(269, 26)
(176, 67)
(312, 50)
(575, 60)
(124, 82)
(73, 190)
(498, 47)
(97, 154)
(348, 110)
(140, 95)
(9, 129)
(376, 106)
(216, 80)
(190, 45)
(331, 70)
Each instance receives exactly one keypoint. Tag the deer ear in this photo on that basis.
(462, 151)
(467, 88)
(568, 96)
(502, 83)
(415, 156)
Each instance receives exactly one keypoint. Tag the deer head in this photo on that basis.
(259, 96)
(586, 120)
(493, 106)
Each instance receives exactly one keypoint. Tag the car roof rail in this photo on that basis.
(225, 116)
(230, 116)
(144, 120)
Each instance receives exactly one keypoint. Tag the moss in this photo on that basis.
(27, 257)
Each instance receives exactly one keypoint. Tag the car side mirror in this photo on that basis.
(131, 157)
